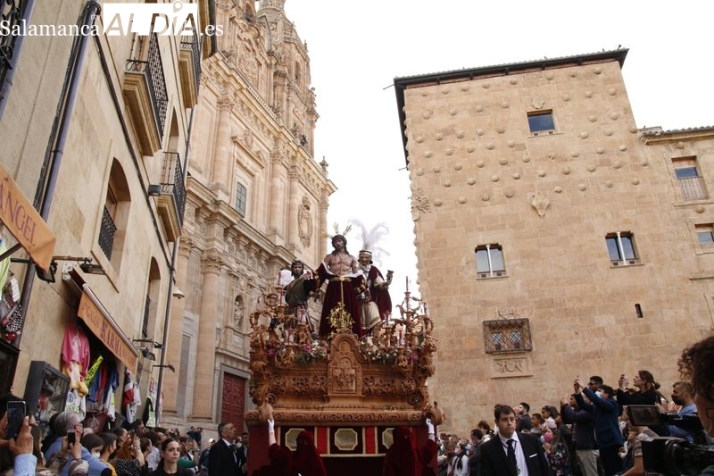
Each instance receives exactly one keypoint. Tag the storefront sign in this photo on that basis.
(99, 324)
(23, 221)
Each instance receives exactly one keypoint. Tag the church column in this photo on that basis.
(169, 385)
(293, 204)
(276, 197)
(322, 226)
(206, 348)
(221, 173)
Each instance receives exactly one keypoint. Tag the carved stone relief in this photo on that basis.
(511, 367)
(238, 312)
(537, 102)
(539, 201)
(305, 223)
(420, 202)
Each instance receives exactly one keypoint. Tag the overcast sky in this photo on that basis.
(357, 49)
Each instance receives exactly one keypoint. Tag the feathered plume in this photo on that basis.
(372, 237)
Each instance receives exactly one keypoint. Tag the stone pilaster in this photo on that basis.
(206, 357)
(294, 202)
(277, 196)
(169, 385)
(221, 172)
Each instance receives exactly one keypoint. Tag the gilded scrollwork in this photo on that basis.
(351, 379)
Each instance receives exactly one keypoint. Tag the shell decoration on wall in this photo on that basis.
(539, 201)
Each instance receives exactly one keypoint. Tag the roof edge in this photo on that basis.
(401, 83)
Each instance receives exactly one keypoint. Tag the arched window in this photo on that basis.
(115, 216)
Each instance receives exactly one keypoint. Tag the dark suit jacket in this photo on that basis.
(222, 461)
(494, 461)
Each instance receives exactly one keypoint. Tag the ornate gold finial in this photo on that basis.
(339, 318)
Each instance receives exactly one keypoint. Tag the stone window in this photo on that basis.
(541, 122)
(621, 248)
(115, 216)
(241, 198)
(489, 261)
(691, 183)
(507, 335)
(705, 234)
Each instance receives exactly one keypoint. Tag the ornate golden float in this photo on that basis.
(349, 391)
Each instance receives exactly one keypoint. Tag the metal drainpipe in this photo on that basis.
(174, 253)
(91, 10)
(10, 75)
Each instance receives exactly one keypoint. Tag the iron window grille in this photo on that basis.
(106, 233)
(507, 335)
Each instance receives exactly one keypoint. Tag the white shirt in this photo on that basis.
(520, 455)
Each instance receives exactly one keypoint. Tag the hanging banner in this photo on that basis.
(23, 221)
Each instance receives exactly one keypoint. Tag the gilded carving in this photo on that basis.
(344, 376)
(379, 378)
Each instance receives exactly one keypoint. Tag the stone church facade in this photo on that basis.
(554, 238)
(256, 200)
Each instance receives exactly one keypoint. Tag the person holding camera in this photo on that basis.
(606, 414)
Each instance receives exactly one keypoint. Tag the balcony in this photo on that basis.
(146, 96)
(190, 69)
(172, 199)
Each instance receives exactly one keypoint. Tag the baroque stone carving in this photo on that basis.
(420, 201)
(305, 223)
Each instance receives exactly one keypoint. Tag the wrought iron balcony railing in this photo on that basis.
(153, 70)
(192, 43)
(11, 12)
(172, 181)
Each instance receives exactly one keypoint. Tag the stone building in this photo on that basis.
(94, 129)
(256, 200)
(554, 238)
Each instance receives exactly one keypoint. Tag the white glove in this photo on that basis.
(429, 426)
(271, 426)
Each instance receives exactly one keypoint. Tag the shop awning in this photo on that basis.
(102, 325)
(23, 221)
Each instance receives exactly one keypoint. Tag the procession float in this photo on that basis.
(349, 389)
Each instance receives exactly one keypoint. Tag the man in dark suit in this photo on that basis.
(511, 453)
(223, 459)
